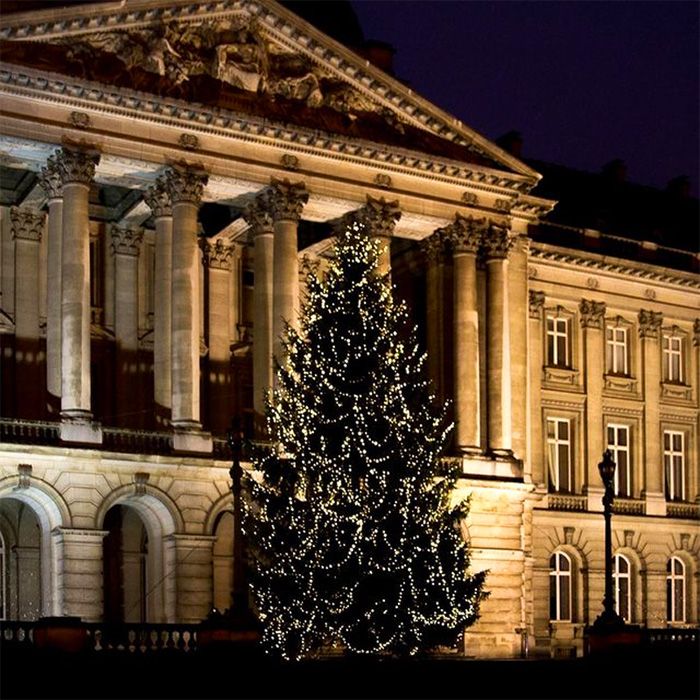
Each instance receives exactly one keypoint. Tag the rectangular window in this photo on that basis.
(559, 454)
(619, 445)
(673, 358)
(558, 341)
(616, 350)
(674, 465)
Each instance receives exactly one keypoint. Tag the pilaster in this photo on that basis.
(592, 317)
(649, 335)
(535, 461)
(194, 564)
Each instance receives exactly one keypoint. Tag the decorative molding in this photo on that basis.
(79, 120)
(566, 501)
(126, 240)
(287, 199)
(467, 234)
(497, 242)
(158, 199)
(592, 283)
(50, 179)
(676, 392)
(622, 411)
(379, 216)
(140, 483)
(382, 180)
(217, 254)
(560, 375)
(696, 332)
(434, 246)
(613, 382)
(258, 214)
(289, 162)
(592, 314)
(536, 300)
(649, 294)
(76, 165)
(25, 475)
(185, 184)
(27, 224)
(679, 417)
(650, 323)
(189, 142)
(469, 198)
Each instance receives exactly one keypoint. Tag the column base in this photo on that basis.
(188, 436)
(480, 464)
(78, 426)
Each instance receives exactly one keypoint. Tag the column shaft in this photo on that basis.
(536, 360)
(518, 303)
(262, 320)
(285, 300)
(433, 322)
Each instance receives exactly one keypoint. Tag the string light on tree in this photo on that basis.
(354, 541)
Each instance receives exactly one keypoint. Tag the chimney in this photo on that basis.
(615, 171)
(512, 143)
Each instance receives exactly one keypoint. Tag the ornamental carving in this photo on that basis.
(379, 216)
(258, 214)
(497, 242)
(126, 240)
(536, 303)
(287, 199)
(467, 234)
(434, 246)
(26, 224)
(79, 120)
(50, 179)
(696, 332)
(592, 313)
(25, 475)
(217, 254)
(76, 166)
(157, 198)
(185, 185)
(649, 323)
(232, 51)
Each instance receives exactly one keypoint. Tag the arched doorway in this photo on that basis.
(127, 568)
(21, 543)
(223, 560)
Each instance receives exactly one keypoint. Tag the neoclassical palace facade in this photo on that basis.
(170, 170)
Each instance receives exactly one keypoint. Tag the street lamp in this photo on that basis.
(608, 618)
(239, 595)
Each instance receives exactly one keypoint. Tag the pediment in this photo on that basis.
(250, 56)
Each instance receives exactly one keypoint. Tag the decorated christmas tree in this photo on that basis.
(354, 539)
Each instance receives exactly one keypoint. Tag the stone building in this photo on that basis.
(169, 170)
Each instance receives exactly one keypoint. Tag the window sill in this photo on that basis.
(677, 392)
(552, 374)
(620, 383)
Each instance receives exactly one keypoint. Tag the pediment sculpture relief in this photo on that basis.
(231, 51)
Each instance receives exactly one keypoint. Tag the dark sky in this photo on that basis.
(584, 82)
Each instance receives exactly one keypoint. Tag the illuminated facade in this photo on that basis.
(168, 171)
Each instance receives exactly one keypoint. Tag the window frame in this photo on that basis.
(616, 449)
(668, 353)
(552, 354)
(669, 455)
(553, 471)
(672, 578)
(556, 580)
(619, 578)
(612, 345)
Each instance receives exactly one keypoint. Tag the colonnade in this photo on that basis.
(481, 341)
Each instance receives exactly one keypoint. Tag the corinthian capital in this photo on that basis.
(467, 234)
(76, 165)
(649, 323)
(258, 214)
(434, 246)
(536, 304)
(185, 185)
(157, 198)
(592, 313)
(696, 332)
(497, 242)
(50, 179)
(379, 216)
(217, 254)
(26, 224)
(126, 240)
(287, 199)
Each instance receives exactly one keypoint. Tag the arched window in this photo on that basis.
(675, 590)
(560, 597)
(622, 584)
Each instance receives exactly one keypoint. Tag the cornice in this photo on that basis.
(285, 28)
(26, 82)
(592, 261)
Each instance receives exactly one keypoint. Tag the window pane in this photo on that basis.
(553, 598)
(678, 615)
(561, 350)
(622, 437)
(564, 564)
(667, 440)
(678, 442)
(565, 606)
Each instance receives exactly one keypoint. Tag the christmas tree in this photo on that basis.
(353, 537)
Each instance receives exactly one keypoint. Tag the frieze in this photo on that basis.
(26, 224)
(649, 323)
(592, 313)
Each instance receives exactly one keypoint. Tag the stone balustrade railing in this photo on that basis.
(690, 511)
(140, 441)
(29, 431)
(629, 506)
(567, 501)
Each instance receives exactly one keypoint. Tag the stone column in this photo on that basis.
(466, 236)
(497, 243)
(50, 181)
(158, 199)
(194, 569)
(380, 217)
(649, 334)
(536, 360)
(217, 258)
(125, 246)
(81, 580)
(287, 202)
(259, 216)
(186, 187)
(27, 227)
(592, 315)
(77, 170)
(434, 248)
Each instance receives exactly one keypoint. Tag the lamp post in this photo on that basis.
(239, 595)
(608, 618)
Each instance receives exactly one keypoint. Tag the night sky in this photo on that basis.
(584, 82)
